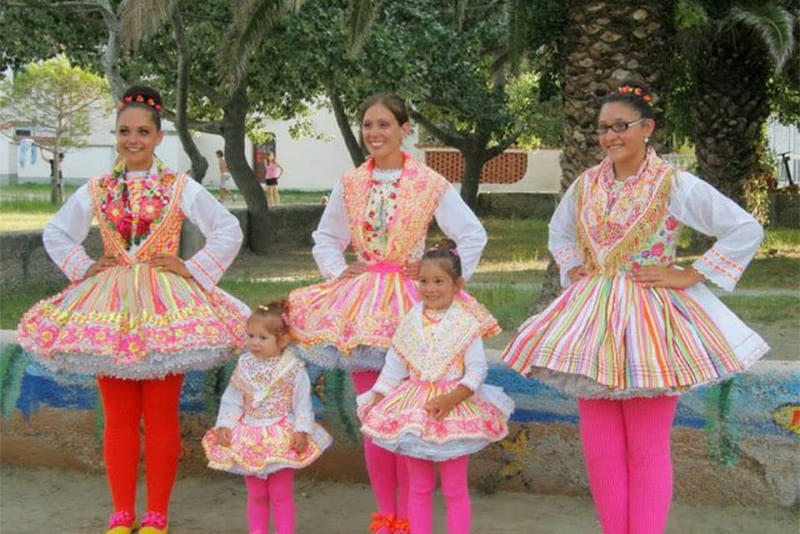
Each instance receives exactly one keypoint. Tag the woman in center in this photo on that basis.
(382, 209)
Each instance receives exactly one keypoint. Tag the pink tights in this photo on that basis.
(387, 476)
(277, 489)
(626, 446)
(422, 483)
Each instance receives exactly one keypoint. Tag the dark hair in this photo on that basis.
(219, 153)
(636, 95)
(142, 96)
(393, 103)
(275, 312)
(444, 252)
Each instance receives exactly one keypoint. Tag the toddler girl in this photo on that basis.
(265, 428)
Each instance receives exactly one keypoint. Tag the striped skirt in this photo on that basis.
(134, 322)
(611, 337)
(336, 320)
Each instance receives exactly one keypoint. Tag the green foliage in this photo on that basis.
(544, 118)
(13, 361)
(56, 98)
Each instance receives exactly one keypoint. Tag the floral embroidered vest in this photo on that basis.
(266, 385)
(436, 352)
(417, 195)
(623, 225)
(144, 214)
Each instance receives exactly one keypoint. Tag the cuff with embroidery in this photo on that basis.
(566, 258)
(471, 381)
(76, 263)
(384, 386)
(303, 424)
(719, 269)
(205, 268)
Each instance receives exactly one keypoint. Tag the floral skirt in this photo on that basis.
(134, 322)
(349, 323)
(607, 336)
(261, 450)
(400, 423)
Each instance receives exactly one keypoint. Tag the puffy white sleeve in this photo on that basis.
(66, 231)
(231, 407)
(220, 228)
(475, 366)
(332, 236)
(698, 205)
(562, 235)
(394, 371)
(301, 403)
(460, 224)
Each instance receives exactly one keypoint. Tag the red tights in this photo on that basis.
(124, 404)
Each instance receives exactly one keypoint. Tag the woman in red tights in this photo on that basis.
(138, 317)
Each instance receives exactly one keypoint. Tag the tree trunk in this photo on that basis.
(342, 120)
(199, 163)
(605, 43)
(233, 132)
(474, 158)
(731, 107)
(111, 54)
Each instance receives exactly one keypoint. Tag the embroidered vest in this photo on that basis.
(418, 192)
(266, 385)
(163, 219)
(623, 225)
(439, 355)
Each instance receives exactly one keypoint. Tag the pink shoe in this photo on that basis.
(154, 523)
(381, 524)
(121, 522)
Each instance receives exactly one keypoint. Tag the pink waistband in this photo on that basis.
(385, 267)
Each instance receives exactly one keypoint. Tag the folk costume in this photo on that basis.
(432, 353)
(628, 350)
(349, 323)
(135, 327)
(267, 400)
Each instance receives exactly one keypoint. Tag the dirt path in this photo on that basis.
(68, 502)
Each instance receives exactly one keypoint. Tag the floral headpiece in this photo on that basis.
(142, 99)
(628, 89)
(437, 247)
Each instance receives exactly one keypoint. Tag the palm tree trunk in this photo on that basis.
(605, 43)
(731, 106)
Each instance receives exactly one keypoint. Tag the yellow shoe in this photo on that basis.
(154, 523)
(121, 523)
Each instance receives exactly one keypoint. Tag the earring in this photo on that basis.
(646, 140)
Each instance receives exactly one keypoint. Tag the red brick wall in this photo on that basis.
(506, 168)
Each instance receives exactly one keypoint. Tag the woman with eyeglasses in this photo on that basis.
(631, 330)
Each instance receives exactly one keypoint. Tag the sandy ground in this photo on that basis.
(36, 500)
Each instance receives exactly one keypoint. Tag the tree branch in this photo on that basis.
(447, 138)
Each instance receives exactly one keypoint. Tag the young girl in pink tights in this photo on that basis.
(632, 331)
(265, 428)
(429, 403)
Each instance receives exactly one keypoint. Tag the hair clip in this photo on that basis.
(285, 319)
(627, 90)
(263, 308)
(150, 101)
(453, 252)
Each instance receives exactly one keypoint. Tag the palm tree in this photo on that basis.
(604, 43)
(733, 49)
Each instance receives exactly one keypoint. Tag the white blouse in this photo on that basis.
(69, 227)
(231, 407)
(454, 217)
(694, 203)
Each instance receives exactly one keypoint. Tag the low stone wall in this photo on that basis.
(736, 443)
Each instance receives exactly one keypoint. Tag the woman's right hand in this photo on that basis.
(354, 269)
(576, 273)
(223, 435)
(102, 263)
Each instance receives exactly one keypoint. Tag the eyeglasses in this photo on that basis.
(617, 127)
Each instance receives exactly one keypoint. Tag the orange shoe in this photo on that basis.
(381, 524)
